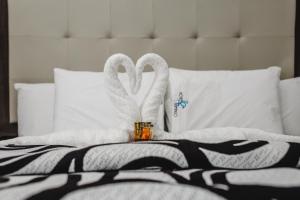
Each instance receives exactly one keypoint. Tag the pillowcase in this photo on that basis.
(290, 106)
(35, 108)
(82, 102)
(208, 99)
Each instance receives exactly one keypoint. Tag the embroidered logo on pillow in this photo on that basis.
(179, 103)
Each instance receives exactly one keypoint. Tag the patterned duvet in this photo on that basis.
(166, 169)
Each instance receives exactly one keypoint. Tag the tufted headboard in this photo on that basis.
(189, 34)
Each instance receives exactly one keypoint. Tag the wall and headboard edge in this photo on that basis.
(194, 34)
(297, 41)
(4, 66)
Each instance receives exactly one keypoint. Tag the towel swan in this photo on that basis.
(154, 97)
(127, 108)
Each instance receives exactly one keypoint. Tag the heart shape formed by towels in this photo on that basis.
(128, 109)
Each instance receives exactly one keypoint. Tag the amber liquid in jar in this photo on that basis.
(143, 131)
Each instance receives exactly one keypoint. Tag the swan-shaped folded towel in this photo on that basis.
(127, 108)
(150, 107)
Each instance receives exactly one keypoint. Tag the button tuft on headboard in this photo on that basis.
(194, 36)
(237, 35)
(152, 36)
(109, 35)
(67, 35)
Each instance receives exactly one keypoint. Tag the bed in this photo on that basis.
(219, 163)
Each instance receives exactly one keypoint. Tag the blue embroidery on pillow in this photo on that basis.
(180, 103)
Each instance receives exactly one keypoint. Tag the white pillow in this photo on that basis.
(290, 105)
(247, 99)
(35, 108)
(82, 101)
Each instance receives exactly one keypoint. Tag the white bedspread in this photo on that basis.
(91, 137)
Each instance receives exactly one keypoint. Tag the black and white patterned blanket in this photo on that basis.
(169, 169)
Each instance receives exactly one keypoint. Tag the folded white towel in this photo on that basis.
(127, 108)
(155, 96)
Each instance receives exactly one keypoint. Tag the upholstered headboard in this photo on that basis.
(189, 34)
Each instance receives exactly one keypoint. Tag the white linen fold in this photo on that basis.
(73, 138)
(226, 133)
(96, 137)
